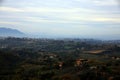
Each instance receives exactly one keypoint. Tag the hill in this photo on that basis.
(5, 32)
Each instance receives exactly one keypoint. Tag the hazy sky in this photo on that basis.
(70, 18)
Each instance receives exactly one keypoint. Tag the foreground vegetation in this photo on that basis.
(65, 59)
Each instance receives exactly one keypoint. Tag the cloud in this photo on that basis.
(7, 22)
(1, 1)
(70, 17)
(10, 9)
(105, 2)
(78, 20)
(61, 15)
(44, 9)
(113, 20)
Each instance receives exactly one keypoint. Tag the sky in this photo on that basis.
(63, 18)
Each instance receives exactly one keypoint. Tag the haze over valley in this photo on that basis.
(59, 40)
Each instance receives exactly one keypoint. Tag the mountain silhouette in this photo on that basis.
(5, 32)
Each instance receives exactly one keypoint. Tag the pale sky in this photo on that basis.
(67, 18)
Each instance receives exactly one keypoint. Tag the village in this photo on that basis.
(44, 59)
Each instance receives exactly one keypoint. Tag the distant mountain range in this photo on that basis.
(5, 32)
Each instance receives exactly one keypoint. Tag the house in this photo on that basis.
(115, 58)
(60, 64)
(51, 56)
(93, 67)
(78, 62)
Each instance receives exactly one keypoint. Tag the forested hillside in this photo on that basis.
(59, 59)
